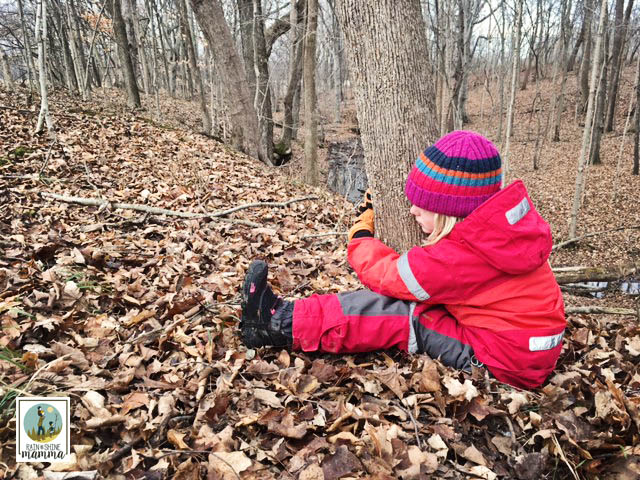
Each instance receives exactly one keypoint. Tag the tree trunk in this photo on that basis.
(245, 11)
(561, 63)
(394, 102)
(586, 57)
(28, 56)
(598, 119)
(636, 134)
(501, 78)
(514, 86)
(69, 70)
(574, 53)
(616, 61)
(310, 100)
(262, 99)
(146, 78)
(586, 135)
(295, 74)
(193, 65)
(245, 135)
(6, 71)
(120, 32)
(41, 36)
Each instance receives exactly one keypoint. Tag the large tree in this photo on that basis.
(395, 100)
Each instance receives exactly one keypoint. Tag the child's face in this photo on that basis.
(425, 218)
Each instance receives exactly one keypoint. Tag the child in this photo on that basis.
(480, 291)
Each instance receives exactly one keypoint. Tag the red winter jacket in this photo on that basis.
(491, 273)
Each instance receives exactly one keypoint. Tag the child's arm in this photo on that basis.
(383, 271)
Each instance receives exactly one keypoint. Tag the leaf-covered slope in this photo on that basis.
(134, 317)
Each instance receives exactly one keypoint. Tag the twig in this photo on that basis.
(164, 211)
(327, 234)
(97, 202)
(407, 409)
(563, 456)
(262, 204)
(46, 158)
(593, 234)
(607, 310)
(41, 369)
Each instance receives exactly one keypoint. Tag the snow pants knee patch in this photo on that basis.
(360, 321)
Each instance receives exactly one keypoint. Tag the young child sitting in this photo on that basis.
(479, 291)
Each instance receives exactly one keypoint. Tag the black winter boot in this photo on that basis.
(267, 320)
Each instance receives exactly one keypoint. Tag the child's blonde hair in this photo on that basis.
(442, 226)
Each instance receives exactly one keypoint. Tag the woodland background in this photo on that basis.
(149, 150)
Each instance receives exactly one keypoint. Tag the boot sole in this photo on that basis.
(257, 274)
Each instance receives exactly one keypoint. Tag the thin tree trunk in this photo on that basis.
(394, 102)
(139, 42)
(28, 55)
(262, 99)
(514, 86)
(6, 71)
(598, 119)
(41, 36)
(586, 135)
(561, 63)
(586, 57)
(295, 74)
(310, 100)
(69, 70)
(636, 135)
(120, 32)
(501, 78)
(622, 20)
(193, 65)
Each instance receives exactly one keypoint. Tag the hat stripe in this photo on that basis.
(462, 164)
(456, 173)
(453, 178)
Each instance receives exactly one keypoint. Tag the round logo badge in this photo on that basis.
(42, 423)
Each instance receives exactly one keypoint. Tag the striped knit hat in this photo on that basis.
(455, 175)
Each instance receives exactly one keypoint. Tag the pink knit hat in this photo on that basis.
(455, 175)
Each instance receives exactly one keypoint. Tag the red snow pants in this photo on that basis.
(364, 321)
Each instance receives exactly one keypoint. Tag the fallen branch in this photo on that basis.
(598, 274)
(98, 202)
(595, 309)
(593, 234)
(327, 234)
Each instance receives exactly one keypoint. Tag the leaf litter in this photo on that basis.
(134, 317)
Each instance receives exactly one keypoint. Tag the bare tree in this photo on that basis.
(310, 100)
(245, 134)
(6, 71)
(41, 37)
(394, 102)
(120, 32)
(586, 135)
(515, 69)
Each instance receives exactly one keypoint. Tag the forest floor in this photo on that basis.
(133, 314)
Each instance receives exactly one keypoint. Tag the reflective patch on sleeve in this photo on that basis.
(518, 212)
(537, 344)
(412, 346)
(409, 278)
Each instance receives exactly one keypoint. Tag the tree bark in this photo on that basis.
(394, 102)
(514, 87)
(245, 136)
(622, 20)
(586, 57)
(586, 136)
(6, 71)
(245, 11)
(295, 75)
(598, 119)
(28, 55)
(120, 32)
(636, 135)
(262, 99)
(310, 100)
(558, 97)
(193, 66)
(41, 37)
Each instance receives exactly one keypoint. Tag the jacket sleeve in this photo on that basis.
(384, 271)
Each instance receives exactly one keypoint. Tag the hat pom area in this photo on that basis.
(455, 175)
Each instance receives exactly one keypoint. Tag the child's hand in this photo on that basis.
(367, 202)
(363, 225)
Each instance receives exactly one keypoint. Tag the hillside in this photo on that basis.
(133, 314)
